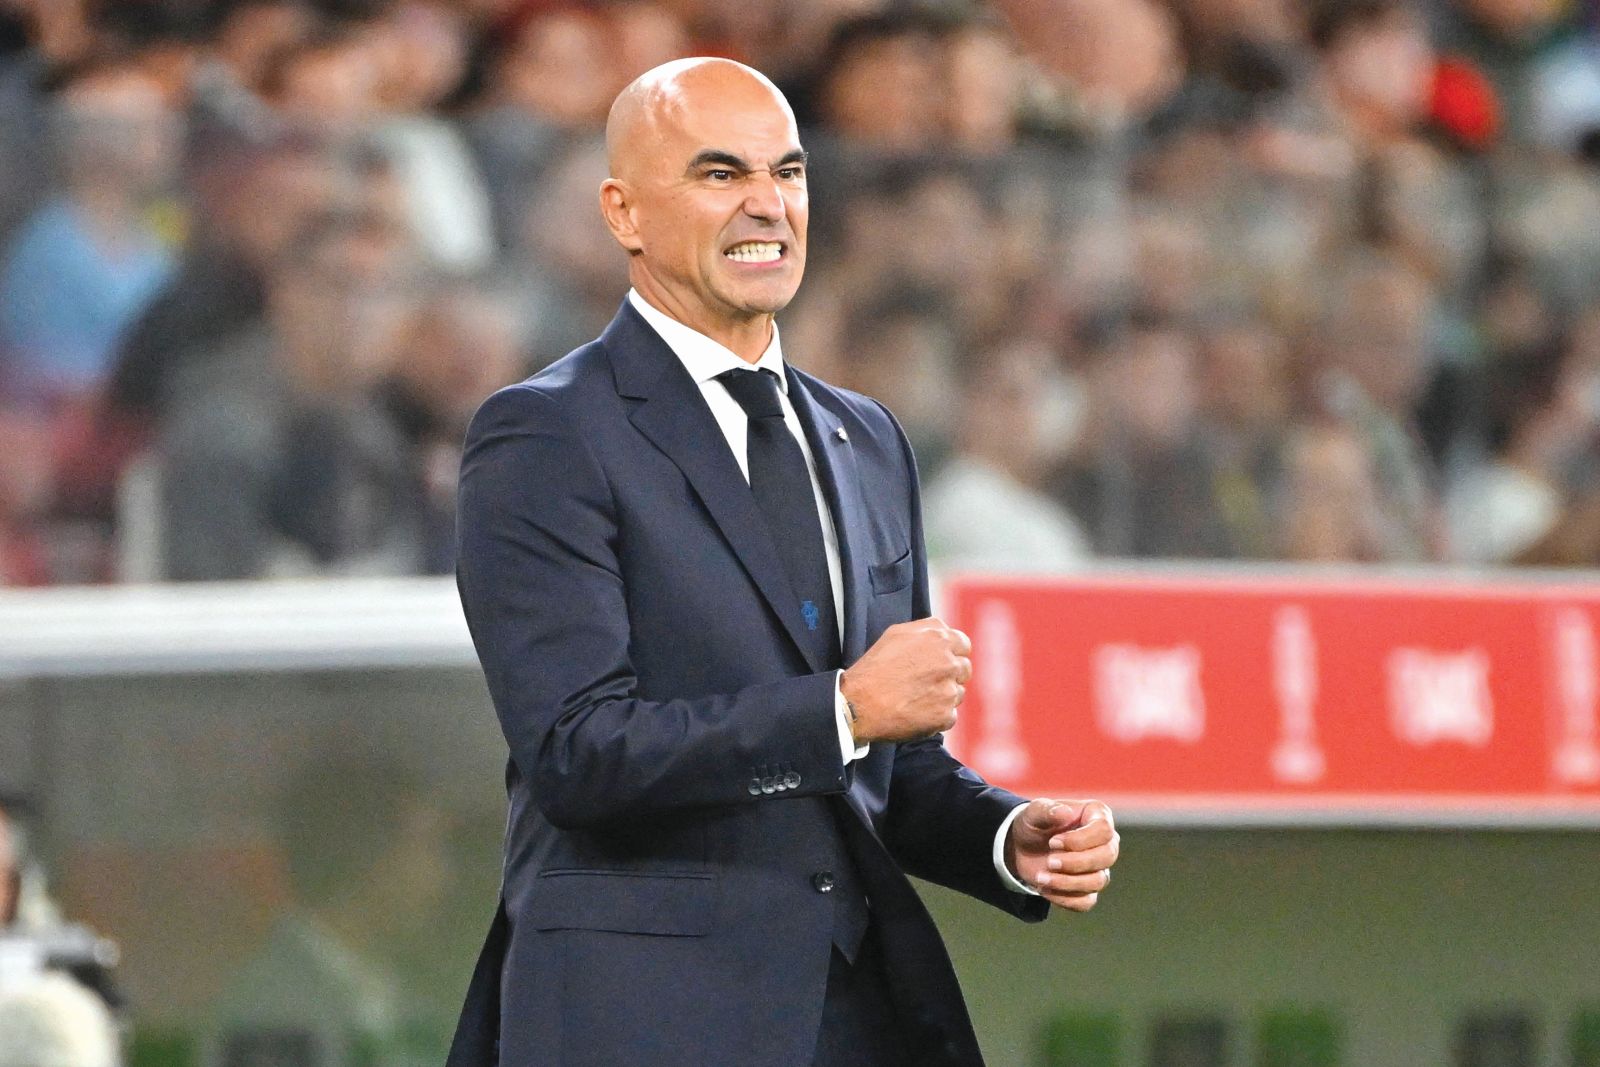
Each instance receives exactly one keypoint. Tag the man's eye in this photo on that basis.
(791, 174)
(720, 175)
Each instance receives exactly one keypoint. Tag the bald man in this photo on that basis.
(695, 578)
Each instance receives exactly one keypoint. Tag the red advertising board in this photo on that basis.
(1215, 700)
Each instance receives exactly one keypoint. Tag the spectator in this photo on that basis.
(327, 83)
(250, 199)
(229, 83)
(49, 1020)
(1113, 65)
(252, 31)
(563, 253)
(1379, 67)
(465, 342)
(982, 72)
(877, 93)
(1537, 500)
(1245, 410)
(1507, 505)
(1147, 481)
(923, 227)
(549, 82)
(1329, 510)
(421, 51)
(902, 349)
(278, 459)
(875, 99)
(645, 35)
(1375, 363)
(984, 510)
(88, 262)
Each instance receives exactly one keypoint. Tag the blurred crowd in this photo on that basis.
(1224, 279)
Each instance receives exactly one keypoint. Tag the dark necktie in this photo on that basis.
(782, 487)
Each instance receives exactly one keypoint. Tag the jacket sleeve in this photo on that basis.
(942, 816)
(543, 593)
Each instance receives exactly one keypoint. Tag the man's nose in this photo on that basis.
(764, 198)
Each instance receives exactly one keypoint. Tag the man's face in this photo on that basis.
(719, 206)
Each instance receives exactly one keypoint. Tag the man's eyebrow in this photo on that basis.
(717, 156)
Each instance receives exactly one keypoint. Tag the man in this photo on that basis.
(84, 266)
(277, 458)
(664, 566)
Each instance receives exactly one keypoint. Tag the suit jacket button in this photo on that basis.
(791, 780)
(822, 881)
(755, 787)
(769, 785)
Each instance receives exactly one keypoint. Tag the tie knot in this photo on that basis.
(755, 390)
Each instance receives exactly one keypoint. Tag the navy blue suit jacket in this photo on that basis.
(675, 779)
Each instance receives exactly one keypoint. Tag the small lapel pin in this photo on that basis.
(840, 434)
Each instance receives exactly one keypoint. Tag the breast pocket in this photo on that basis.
(890, 577)
(627, 902)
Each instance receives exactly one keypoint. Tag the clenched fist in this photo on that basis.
(1065, 850)
(909, 683)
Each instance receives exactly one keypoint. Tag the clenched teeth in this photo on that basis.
(755, 252)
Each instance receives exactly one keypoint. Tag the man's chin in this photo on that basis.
(765, 300)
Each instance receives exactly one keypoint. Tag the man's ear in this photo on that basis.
(616, 207)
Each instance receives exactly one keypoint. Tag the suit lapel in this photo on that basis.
(841, 485)
(675, 418)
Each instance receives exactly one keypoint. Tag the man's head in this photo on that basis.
(113, 127)
(1379, 61)
(338, 292)
(708, 195)
(880, 86)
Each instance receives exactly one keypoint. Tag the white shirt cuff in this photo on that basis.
(847, 742)
(1008, 879)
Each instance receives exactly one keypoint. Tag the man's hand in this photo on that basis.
(909, 682)
(1064, 849)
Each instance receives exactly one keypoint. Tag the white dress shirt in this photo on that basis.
(704, 359)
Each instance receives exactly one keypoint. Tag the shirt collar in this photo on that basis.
(702, 357)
